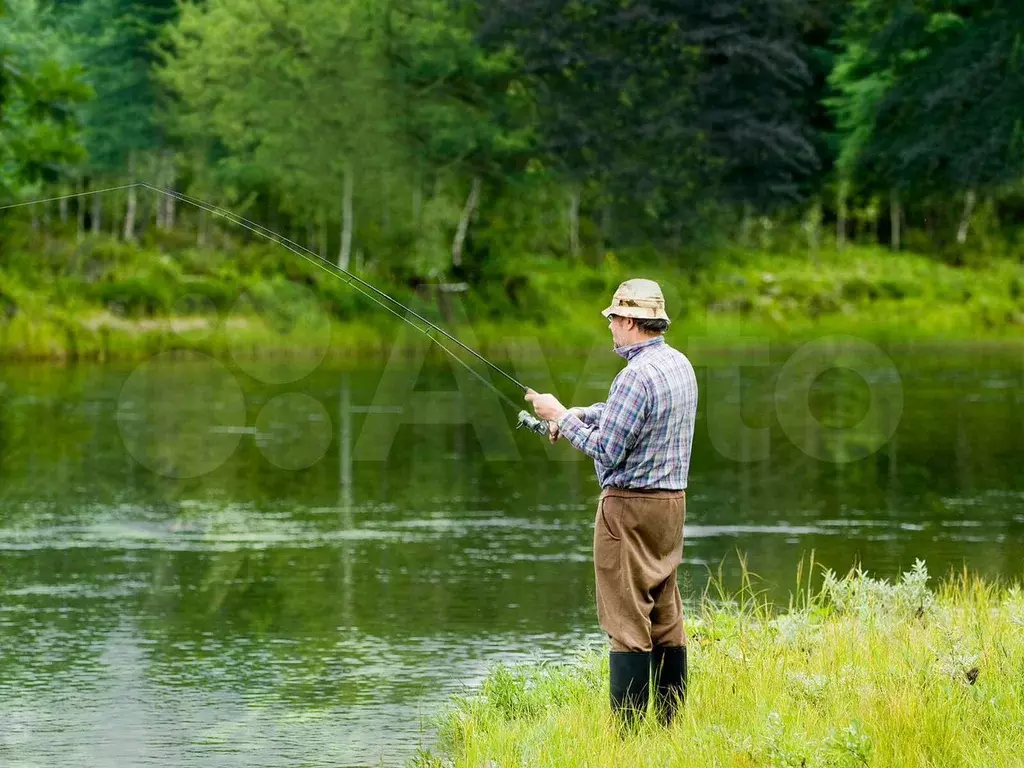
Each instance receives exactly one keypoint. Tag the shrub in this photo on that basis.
(141, 295)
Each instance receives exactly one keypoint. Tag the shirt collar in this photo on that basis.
(632, 350)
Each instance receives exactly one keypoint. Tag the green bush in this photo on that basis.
(8, 307)
(860, 289)
(196, 293)
(140, 295)
(865, 290)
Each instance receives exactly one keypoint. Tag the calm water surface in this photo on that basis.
(207, 565)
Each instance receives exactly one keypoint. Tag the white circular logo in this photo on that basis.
(839, 445)
(181, 418)
(295, 320)
(293, 431)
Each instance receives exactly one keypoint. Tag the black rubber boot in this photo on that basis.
(629, 672)
(668, 676)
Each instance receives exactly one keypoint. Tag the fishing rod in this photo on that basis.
(524, 419)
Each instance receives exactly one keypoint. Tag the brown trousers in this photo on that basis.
(638, 544)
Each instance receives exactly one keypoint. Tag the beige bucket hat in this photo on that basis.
(638, 298)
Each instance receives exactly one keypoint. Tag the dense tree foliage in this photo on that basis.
(669, 102)
(944, 84)
(114, 41)
(39, 88)
(455, 138)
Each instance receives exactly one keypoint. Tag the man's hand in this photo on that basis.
(546, 407)
(554, 434)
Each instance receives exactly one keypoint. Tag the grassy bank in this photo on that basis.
(102, 299)
(858, 672)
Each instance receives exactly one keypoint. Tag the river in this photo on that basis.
(284, 565)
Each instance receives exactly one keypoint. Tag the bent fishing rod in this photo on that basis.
(524, 419)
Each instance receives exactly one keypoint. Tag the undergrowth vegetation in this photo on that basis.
(858, 671)
(101, 298)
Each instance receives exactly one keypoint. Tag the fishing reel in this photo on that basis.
(532, 423)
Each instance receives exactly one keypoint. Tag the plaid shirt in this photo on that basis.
(641, 437)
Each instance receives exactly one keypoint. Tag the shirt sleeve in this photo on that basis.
(621, 420)
(592, 414)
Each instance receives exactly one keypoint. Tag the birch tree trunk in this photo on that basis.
(129, 216)
(746, 225)
(970, 198)
(201, 233)
(345, 253)
(894, 219)
(323, 234)
(574, 223)
(467, 213)
(813, 228)
(169, 204)
(160, 209)
(165, 203)
(115, 220)
(97, 213)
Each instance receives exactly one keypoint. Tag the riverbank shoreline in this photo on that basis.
(106, 300)
(858, 672)
(114, 339)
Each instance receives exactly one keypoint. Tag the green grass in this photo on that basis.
(101, 299)
(856, 672)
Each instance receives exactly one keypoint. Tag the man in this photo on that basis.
(640, 441)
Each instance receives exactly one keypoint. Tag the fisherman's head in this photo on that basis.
(637, 312)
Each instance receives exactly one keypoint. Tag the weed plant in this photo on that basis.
(857, 671)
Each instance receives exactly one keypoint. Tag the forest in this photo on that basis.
(480, 143)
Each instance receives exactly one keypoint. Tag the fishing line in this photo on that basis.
(322, 263)
(270, 234)
(326, 265)
(71, 195)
